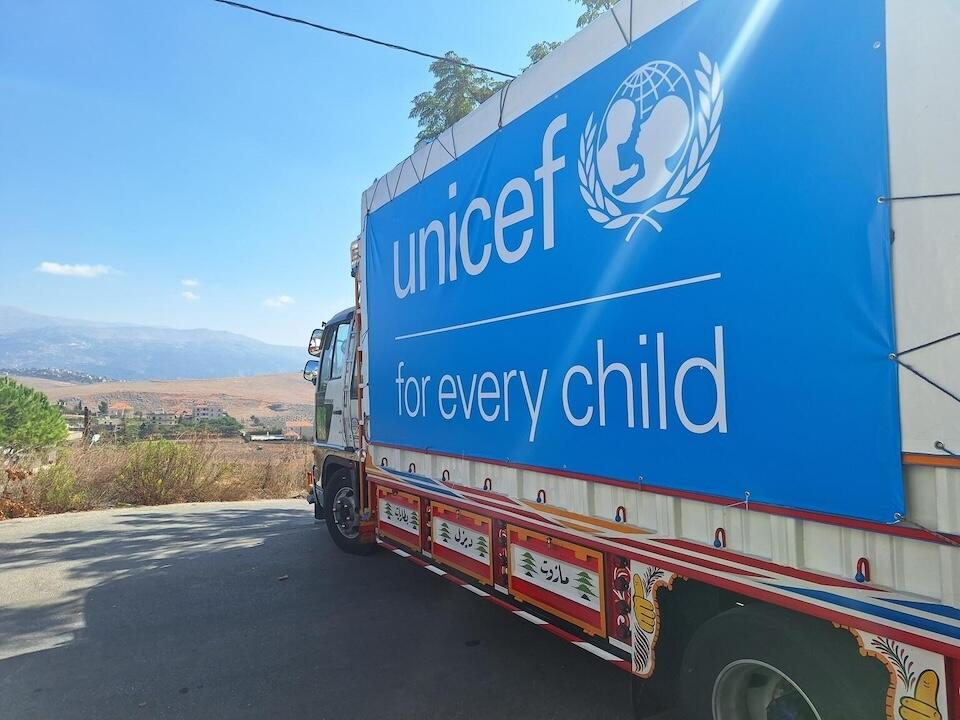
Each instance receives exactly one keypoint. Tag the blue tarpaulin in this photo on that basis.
(674, 271)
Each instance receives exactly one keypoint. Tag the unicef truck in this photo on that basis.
(659, 350)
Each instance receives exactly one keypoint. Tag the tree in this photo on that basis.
(456, 91)
(27, 420)
(102, 407)
(529, 565)
(445, 532)
(539, 51)
(594, 9)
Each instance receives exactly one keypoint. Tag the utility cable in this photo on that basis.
(364, 38)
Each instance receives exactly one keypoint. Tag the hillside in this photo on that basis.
(129, 352)
(275, 399)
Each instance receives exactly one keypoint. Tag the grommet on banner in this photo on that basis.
(487, 484)
(621, 515)
(719, 538)
(940, 446)
(412, 467)
(863, 570)
(541, 495)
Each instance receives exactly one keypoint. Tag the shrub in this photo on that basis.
(13, 500)
(275, 476)
(56, 488)
(150, 473)
(164, 471)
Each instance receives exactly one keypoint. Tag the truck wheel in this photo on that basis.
(763, 663)
(342, 515)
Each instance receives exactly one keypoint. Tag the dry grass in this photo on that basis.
(154, 472)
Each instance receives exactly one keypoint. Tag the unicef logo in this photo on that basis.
(652, 147)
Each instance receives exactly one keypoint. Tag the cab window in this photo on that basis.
(340, 342)
(325, 360)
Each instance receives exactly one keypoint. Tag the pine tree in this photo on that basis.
(388, 511)
(445, 532)
(415, 520)
(528, 563)
(27, 420)
(585, 585)
(482, 546)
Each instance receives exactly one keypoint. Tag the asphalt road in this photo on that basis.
(247, 610)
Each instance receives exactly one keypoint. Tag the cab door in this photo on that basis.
(332, 400)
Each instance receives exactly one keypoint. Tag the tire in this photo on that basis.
(339, 510)
(760, 661)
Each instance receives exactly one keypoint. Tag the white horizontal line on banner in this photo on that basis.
(563, 306)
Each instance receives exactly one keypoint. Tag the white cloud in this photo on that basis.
(279, 301)
(187, 295)
(83, 271)
(190, 282)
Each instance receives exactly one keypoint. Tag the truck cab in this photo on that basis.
(334, 378)
(334, 481)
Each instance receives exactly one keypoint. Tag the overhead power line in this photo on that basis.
(364, 38)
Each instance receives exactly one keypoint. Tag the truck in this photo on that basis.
(658, 350)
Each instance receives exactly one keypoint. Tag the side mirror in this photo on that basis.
(314, 347)
(311, 371)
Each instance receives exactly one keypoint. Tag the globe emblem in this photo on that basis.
(652, 147)
(645, 132)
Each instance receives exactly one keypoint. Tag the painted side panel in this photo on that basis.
(398, 517)
(462, 540)
(564, 579)
(918, 679)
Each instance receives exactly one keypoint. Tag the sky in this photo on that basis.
(187, 164)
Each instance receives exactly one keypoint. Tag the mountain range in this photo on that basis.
(128, 352)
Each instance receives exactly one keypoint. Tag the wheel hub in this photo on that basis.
(754, 690)
(345, 513)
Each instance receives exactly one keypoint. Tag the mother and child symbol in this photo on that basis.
(644, 133)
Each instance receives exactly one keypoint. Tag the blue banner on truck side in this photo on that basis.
(674, 271)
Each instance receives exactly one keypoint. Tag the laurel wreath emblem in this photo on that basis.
(690, 174)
